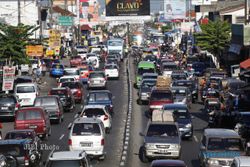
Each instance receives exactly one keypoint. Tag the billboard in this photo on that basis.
(89, 11)
(34, 50)
(197, 2)
(127, 7)
(175, 9)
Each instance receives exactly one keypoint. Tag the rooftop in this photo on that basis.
(221, 133)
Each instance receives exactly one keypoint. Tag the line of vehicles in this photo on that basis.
(34, 114)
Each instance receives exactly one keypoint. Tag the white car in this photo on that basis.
(24, 68)
(65, 79)
(72, 72)
(111, 70)
(93, 60)
(88, 134)
(26, 93)
(82, 54)
(100, 112)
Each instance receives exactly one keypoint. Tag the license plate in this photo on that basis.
(32, 126)
(4, 108)
(86, 144)
(26, 100)
(163, 151)
(96, 82)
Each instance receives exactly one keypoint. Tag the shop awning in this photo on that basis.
(86, 27)
(235, 48)
(245, 64)
(63, 12)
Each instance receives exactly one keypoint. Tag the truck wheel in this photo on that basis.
(142, 155)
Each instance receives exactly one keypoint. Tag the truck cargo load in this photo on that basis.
(161, 116)
(163, 82)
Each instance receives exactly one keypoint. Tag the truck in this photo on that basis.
(116, 45)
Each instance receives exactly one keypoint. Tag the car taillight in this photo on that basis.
(106, 117)
(26, 160)
(102, 142)
(69, 142)
(79, 92)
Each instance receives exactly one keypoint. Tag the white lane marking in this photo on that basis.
(196, 140)
(70, 124)
(76, 116)
(61, 137)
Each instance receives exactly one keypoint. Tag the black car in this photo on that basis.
(191, 84)
(65, 97)
(23, 152)
(8, 106)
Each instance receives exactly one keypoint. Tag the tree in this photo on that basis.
(13, 40)
(215, 36)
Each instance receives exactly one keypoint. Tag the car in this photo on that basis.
(111, 71)
(183, 117)
(242, 126)
(145, 90)
(82, 54)
(101, 97)
(168, 163)
(99, 111)
(112, 61)
(65, 96)
(167, 68)
(161, 140)
(65, 79)
(67, 158)
(97, 79)
(9, 104)
(22, 154)
(84, 71)
(149, 76)
(143, 67)
(93, 60)
(219, 147)
(179, 75)
(24, 68)
(76, 89)
(33, 118)
(52, 106)
(57, 70)
(75, 61)
(88, 134)
(182, 95)
(150, 58)
(26, 93)
(241, 161)
(23, 79)
(73, 72)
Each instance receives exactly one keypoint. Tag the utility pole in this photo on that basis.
(19, 11)
(66, 4)
(40, 22)
(246, 12)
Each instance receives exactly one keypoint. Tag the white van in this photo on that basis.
(26, 92)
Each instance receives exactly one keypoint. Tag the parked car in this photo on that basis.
(88, 134)
(111, 71)
(76, 89)
(33, 118)
(26, 93)
(65, 96)
(52, 106)
(97, 79)
(168, 163)
(9, 104)
(57, 70)
(68, 158)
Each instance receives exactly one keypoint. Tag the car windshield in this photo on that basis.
(71, 72)
(46, 102)
(98, 97)
(82, 129)
(150, 58)
(149, 77)
(181, 114)
(66, 163)
(141, 71)
(148, 84)
(19, 135)
(158, 96)
(59, 92)
(25, 89)
(66, 80)
(7, 100)
(169, 66)
(90, 112)
(163, 130)
(15, 150)
(188, 84)
(219, 144)
(28, 115)
(71, 85)
(96, 75)
(110, 67)
(178, 76)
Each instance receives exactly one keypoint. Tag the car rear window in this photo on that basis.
(156, 95)
(46, 101)
(57, 66)
(98, 97)
(162, 130)
(110, 67)
(25, 89)
(59, 92)
(29, 115)
(4, 100)
(19, 135)
(66, 80)
(81, 129)
(96, 75)
(12, 149)
(93, 112)
(71, 72)
(71, 85)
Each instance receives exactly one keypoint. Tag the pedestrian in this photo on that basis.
(230, 104)
(44, 68)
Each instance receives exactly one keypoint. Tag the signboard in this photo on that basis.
(8, 78)
(54, 38)
(65, 21)
(127, 7)
(89, 11)
(197, 2)
(175, 9)
(34, 50)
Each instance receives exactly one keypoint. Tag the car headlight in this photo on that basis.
(175, 146)
(148, 145)
(212, 162)
(188, 125)
(2, 163)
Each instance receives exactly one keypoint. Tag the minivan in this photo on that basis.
(33, 118)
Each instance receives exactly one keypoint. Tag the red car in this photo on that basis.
(76, 89)
(33, 118)
(75, 61)
(168, 163)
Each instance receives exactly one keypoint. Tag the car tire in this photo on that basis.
(142, 155)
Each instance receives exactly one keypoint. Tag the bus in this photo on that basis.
(116, 46)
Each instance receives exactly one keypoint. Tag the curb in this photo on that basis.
(126, 137)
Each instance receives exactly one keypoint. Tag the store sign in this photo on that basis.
(65, 21)
(54, 39)
(34, 50)
(8, 78)
(175, 9)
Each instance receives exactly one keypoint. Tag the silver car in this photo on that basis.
(97, 79)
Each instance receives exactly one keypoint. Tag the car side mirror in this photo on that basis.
(141, 134)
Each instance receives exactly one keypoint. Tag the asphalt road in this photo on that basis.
(114, 140)
(190, 148)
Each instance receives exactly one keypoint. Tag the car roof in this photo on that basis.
(14, 141)
(59, 88)
(172, 106)
(21, 130)
(149, 79)
(162, 122)
(87, 120)
(68, 76)
(178, 87)
(245, 113)
(94, 106)
(30, 108)
(67, 155)
(150, 74)
(168, 162)
(220, 133)
(99, 91)
(26, 84)
(47, 96)
(146, 64)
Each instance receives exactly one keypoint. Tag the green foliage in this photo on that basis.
(13, 40)
(215, 36)
(166, 28)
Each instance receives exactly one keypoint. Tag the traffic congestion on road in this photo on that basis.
(117, 105)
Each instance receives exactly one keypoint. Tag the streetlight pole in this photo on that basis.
(19, 11)
(246, 12)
